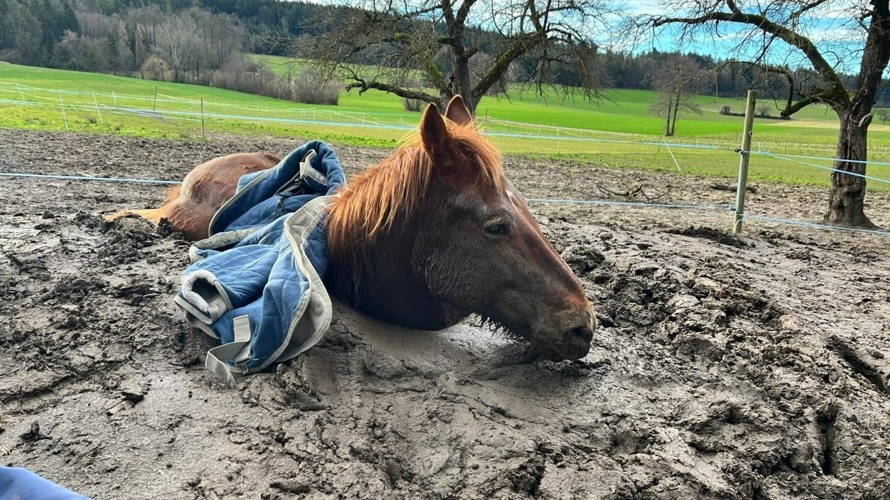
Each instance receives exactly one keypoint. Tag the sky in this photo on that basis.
(828, 26)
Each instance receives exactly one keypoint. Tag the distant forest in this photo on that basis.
(206, 41)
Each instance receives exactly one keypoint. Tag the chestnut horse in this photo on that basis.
(427, 237)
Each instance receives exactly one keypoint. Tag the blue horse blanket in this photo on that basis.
(255, 282)
(22, 484)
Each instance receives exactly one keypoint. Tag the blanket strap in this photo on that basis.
(297, 185)
(237, 350)
(307, 171)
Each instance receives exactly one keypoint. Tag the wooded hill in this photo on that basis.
(205, 42)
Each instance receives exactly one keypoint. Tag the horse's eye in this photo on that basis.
(498, 228)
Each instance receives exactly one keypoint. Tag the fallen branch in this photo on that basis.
(733, 187)
(631, 194)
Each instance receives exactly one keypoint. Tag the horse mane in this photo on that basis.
(373, 199)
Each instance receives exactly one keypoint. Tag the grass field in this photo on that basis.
(616, 131)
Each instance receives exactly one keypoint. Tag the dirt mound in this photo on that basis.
(724, 367)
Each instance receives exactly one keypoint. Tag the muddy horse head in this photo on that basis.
(436, 232)
(431, 235)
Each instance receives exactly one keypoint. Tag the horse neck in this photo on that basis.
(383, 281)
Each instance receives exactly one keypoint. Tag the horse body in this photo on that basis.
(429, 236)
(190, 207)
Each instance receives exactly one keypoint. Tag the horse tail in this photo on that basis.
(152, 214)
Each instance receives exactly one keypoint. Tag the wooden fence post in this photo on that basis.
(743, 163)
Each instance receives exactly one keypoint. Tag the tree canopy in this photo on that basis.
(433, 50)
(826, 35)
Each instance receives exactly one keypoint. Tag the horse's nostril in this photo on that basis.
(582, 333)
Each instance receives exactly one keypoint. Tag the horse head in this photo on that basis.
(436, 233)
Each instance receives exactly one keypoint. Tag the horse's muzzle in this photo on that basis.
(573, 335)
(578, 339)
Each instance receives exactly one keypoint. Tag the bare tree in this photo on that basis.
(121, 48)
(826, 34)
(676, 82)
(436, 40)
(179, 44)
(149, 21)
(221, 38)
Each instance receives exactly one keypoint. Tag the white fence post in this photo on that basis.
(95, 103)
(64, 116)
(203, 137)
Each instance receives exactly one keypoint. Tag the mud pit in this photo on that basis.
(724, 367)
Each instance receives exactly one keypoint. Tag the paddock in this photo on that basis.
(751, 366)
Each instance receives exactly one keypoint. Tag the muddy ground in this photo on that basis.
(724, 367)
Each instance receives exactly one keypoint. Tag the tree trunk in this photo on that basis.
(670, 107)
(846, 200)
(676, 110)
(460, 83)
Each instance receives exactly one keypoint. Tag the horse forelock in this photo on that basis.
(484, 156)
(374, 198)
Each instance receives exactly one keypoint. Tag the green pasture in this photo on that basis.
(613, 132)
(620, 110)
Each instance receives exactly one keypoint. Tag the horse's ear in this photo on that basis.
(457, 111)
(433, 131)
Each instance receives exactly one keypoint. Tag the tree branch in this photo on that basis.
(810, 6)
(760, 22)
(463, 11)
(364, 86)
(437, 79)
(797, 106)
(503, 61)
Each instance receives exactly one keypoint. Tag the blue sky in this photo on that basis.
(829, 26)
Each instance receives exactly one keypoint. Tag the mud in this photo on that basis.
(752, 366)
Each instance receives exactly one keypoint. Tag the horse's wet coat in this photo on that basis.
(430, 235)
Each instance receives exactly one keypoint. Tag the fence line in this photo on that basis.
(195, 116)
(353, 120)
(631, 204)
(86, 178)
(166, 99)
(335, 118)
(816, 225)
(370, 120)
(830, 169)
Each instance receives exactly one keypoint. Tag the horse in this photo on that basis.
(190, 206)
(426, 238)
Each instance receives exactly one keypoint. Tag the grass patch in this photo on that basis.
(617, 132)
